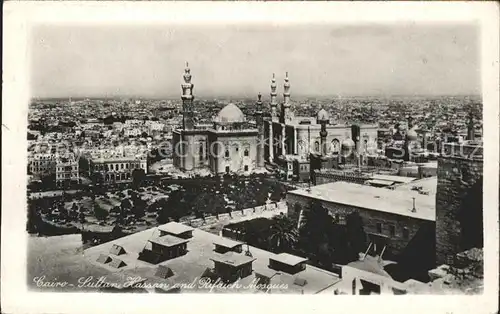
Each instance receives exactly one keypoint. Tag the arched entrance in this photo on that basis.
(335, 146)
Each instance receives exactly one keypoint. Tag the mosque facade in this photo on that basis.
(298, 137)
(229, 145)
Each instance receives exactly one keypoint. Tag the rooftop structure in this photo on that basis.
(232, 258)
(226, 242)
(167, 240)
(399, 202)
(199, 260)
(175, 228)
(289, 259)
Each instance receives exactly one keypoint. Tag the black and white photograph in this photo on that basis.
(262, 157)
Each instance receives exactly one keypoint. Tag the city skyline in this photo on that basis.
(235, 61)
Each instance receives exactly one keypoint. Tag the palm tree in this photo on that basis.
(355, 235)
(283, 234)
(316, 229)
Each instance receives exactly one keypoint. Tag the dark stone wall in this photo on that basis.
(458, 206)
(323, 178)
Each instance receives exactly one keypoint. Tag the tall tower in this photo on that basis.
(323, 133)
(259, 119)
(323, 119)
(187, 100)
(286, 100)
(274, 104)
(470, 127)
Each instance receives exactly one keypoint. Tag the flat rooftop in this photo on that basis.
(380, 182)
(232, 258)
(397, 202)
(175, 228)
(168, 240)
(426, 184)
(228, 243)
(289, 259)
(397, 179)
(190, 267)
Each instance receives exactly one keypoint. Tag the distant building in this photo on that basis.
(290, 137)
(67, 170)
(110, 166)
(288, 134)
(399, 222)
(42, 164)
(132, 131)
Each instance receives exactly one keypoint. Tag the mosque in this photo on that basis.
(293, 139)
(228, 145)
(231, 144)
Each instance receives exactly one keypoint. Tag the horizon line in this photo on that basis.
(221, 96)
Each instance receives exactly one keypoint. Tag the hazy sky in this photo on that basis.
(232, 60)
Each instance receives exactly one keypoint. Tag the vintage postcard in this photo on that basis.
(250, 150)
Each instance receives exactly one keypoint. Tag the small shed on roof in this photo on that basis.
(299, 281)
(103, 259)
(168, 241)
(223, 245)
(176, 229)
(232, 259)
(163, 272)
(288, 263)
(117, 263)
(117, 250)
(264, 277)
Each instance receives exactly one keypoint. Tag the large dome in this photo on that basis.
(412, 135)
(230, 114)
(348, 144)
(323, 115)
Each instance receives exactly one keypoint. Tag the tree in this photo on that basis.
(63, 212)
(138, 176)
(283, 234)
(126, 204)
(355, 235)
(100, 213)
(139, 208)
(171, 208)
(81, 217)
(316, 231)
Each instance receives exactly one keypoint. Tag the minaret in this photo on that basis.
(187, 100)
(470, 127)
(410, 122)
(274, 104)
(260, 126)
(286, 100)
(323, 133)
(323, 119)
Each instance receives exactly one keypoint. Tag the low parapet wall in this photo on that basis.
(227, 217)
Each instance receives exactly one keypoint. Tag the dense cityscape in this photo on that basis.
(339, 195)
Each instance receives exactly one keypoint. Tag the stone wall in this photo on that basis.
(224, 217)
(321, 177)
(227, 217)
(248, 211)
(455, 177)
